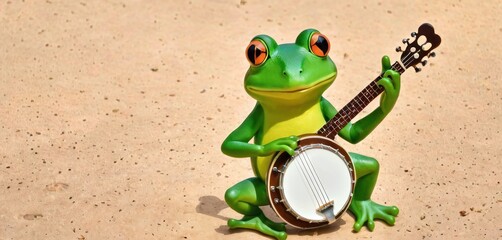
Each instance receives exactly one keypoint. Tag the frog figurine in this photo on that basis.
(287, 81)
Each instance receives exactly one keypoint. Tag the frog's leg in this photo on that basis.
(362, 207)
(245, 197)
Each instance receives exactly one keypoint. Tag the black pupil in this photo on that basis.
(253, 53)
(322, 44)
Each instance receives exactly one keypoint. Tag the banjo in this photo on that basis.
(314, 187)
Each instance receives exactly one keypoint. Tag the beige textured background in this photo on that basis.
(112, 114)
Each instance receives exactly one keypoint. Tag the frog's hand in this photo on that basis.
(391, 81)
(236, 144)
(287, 144)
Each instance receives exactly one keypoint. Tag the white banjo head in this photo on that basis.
(314, 187)
(316, 175)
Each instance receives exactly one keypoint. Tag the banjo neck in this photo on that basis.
(355, 106)
(425, 41)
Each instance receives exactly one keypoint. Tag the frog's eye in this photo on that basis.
(319, 45)
(256, 52)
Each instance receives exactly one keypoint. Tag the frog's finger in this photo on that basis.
(293, 144)
(386, 63)
(286, 141)
(281, 141)
(394, 77)
(294, 138)
(291, 141)
(387, 85)
(286, 148)
(271, 148)
(389, 96)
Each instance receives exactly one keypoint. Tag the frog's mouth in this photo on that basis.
(283, 93)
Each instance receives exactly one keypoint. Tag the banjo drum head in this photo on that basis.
(316, 175)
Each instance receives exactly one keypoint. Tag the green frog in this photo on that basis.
(288, 81)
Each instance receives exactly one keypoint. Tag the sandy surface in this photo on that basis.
(112, 115)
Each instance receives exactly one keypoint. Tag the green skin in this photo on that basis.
(288, 84)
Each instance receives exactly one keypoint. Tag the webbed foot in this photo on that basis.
(261, 224)
(367, 211)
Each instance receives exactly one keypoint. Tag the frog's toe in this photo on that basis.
(357, 227)
(277, 226)
(273, 225)
(371, 225)
(256, 223)
(366, 211)
(359, 223)
(281, 236)
(388, 218)
(233, 223)
(392, 210)
(386, 213)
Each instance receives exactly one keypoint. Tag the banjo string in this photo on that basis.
(323, 190)
(317, 180)
(312, 178)
(309, 174)
(306, 178)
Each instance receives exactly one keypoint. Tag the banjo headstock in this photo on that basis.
(425, 40)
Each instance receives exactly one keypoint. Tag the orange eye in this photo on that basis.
(319, 44)
(256, 52)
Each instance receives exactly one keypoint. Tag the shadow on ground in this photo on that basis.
(212, 206)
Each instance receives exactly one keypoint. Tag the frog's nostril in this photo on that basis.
(292, 72)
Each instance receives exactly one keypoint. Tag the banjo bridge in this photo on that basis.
(327, 210)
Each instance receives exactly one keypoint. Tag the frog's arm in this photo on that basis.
(237, 143)
(356, 132)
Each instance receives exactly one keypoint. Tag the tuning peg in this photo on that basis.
(432, 54)
(406, 40)
(398, 49)
(413, 34)
(424, 62)
(417, 69)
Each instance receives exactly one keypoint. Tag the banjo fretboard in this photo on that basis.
(355, 106)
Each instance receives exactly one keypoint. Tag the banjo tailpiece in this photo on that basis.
(327, 211)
